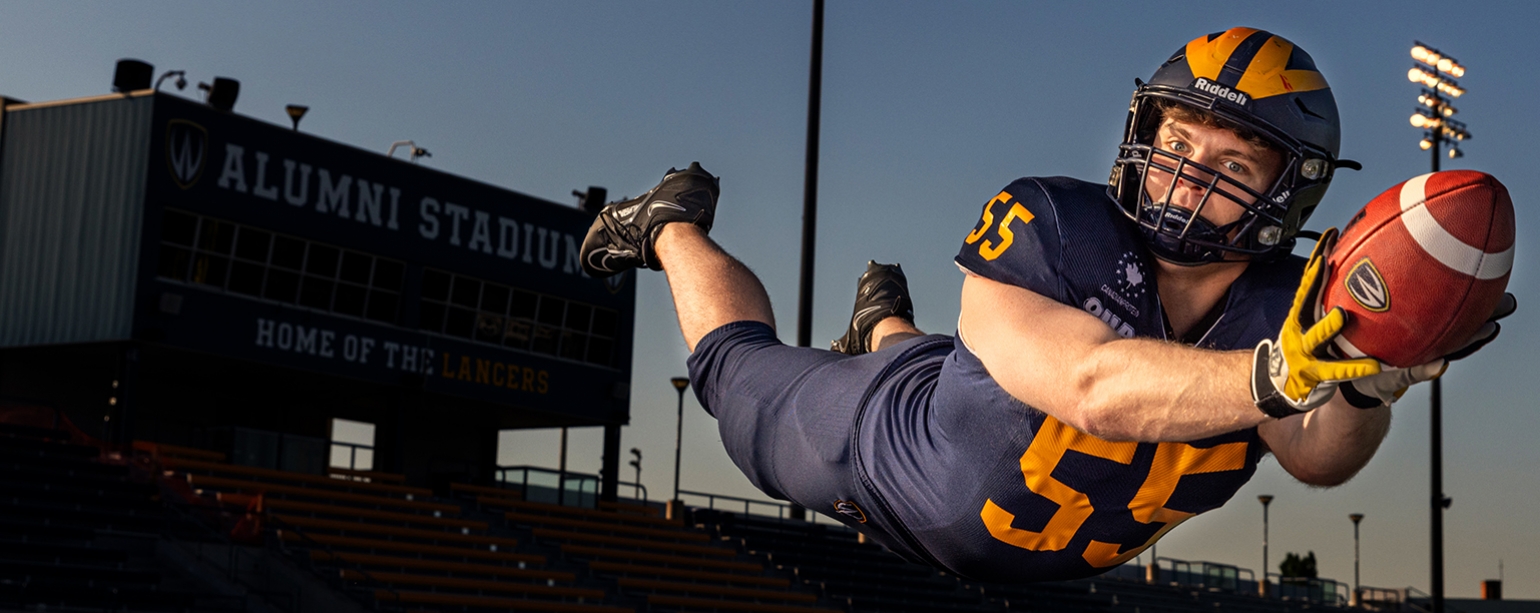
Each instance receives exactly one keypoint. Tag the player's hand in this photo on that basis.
(1294, 373)
(1388, 386)
(1489, 330)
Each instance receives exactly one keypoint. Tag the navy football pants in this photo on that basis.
(790, 416)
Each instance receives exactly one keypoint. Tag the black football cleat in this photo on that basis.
(621, 236)
(882, 292)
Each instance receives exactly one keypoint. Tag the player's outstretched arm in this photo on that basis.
(1069, 364)
(1329, 445)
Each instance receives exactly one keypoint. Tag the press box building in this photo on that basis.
(174, 272)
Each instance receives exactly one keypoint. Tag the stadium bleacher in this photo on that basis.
(390, 543)
(78, 526)
(863, 577)
(663, 563)
(77, 532)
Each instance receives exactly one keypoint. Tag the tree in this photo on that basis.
(1296, 567)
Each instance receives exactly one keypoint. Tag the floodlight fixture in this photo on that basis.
(296, 111)
(411, 147)
(180, 82)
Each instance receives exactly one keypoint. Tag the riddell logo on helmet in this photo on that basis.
(1221, 91)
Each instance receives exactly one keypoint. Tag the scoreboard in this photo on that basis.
(220, 235)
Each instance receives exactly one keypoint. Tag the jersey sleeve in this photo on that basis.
(1017, 241)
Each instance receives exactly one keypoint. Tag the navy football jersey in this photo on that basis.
(997, 490)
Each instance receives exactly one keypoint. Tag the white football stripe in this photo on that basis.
(1442, 245)
(1348, 348)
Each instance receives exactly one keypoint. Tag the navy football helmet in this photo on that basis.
(1262, 84)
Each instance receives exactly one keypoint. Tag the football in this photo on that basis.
(1422, 266)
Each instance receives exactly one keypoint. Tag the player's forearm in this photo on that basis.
(1155, 391)
(1329, 445)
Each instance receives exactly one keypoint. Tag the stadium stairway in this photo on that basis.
(78, 533)
(391, 545)
(663, 563)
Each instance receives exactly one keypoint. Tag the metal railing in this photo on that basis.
(538, 484)
(782, 510)
(1312, 589)
(1207, 575)
(1418, 600)
(217, 551)
(639, 491)
(1387, 599)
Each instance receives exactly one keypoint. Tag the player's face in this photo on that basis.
(1215, 148)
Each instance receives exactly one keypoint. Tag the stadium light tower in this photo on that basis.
(810, 197)
(1356, 600)
(1436, 73)
(680, 384)
(1265, 499)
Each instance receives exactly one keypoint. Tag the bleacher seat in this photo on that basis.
(390, 543)
(833, 562)
(666, 564)
(76, 533)
(864, 578)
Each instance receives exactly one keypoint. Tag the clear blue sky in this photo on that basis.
(929, 108)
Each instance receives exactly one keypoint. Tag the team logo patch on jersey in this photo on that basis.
(849, 509)
(1367, 287)
(1132, 275)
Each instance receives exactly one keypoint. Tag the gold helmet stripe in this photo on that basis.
(1207, 57)
(1266, 75)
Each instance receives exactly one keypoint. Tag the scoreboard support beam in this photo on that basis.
(609, 474)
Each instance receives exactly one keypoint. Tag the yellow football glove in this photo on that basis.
(1294, 373)
(1388, 386)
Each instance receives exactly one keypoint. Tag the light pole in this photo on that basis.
(680, 384)
(1357, 596)
(1266, 499)
(1436, 73)
(810, 197)
(636, 462)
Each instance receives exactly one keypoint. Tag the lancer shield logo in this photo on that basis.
(187, 149)
(1367, 287)
(849, 509)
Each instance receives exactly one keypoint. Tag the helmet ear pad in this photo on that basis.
(1304, 203)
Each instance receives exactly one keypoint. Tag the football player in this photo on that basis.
(1125, 355)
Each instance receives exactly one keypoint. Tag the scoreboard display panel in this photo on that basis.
(271, 245)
